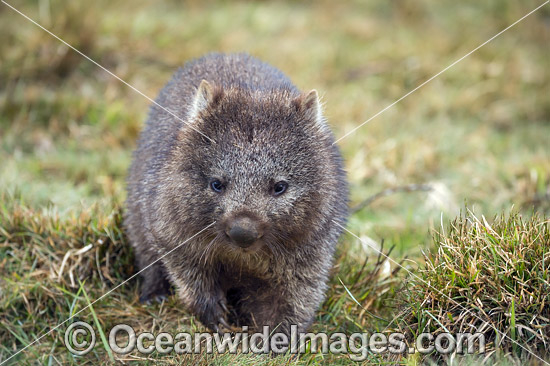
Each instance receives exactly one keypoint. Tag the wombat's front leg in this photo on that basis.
(278, 311)
(155, 285)
(286, 304)
(200, 291)
(211, 309)
(279, 315)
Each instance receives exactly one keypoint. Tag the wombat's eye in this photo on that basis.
(279, 188)
(216, 186)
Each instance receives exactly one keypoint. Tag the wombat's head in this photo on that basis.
(267, 179)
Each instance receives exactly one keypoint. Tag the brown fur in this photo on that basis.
(264, 130)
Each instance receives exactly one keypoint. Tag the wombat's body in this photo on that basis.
(270, 181)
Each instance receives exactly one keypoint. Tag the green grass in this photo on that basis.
(493, 277)
(478, 134)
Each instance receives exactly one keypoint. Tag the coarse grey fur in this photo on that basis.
(264, 131)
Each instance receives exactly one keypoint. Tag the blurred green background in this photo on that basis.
(479, 133)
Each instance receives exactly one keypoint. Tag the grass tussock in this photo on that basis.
(492, 278)
(45, 260)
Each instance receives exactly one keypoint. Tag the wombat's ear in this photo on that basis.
(310, 105)
(206, 95)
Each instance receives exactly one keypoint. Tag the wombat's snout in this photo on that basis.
(243, 231)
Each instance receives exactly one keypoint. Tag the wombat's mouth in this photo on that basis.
(248, 247)
(256, 246)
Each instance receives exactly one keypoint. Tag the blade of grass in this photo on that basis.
(98, 325)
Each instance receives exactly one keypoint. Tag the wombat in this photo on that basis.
(253, 157)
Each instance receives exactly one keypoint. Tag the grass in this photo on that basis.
(478, 135)
(492, 277)
(53, 267)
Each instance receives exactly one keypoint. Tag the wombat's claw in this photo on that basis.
(215, 329)
(161, 298)
(228, 327)
(224, 307)
(224, 322)
(145, 300)
(149, 300)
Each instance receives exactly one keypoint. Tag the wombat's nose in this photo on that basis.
(243, 231)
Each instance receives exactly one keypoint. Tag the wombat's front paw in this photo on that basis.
(150, 294)
(151, 298)
(214, 315)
